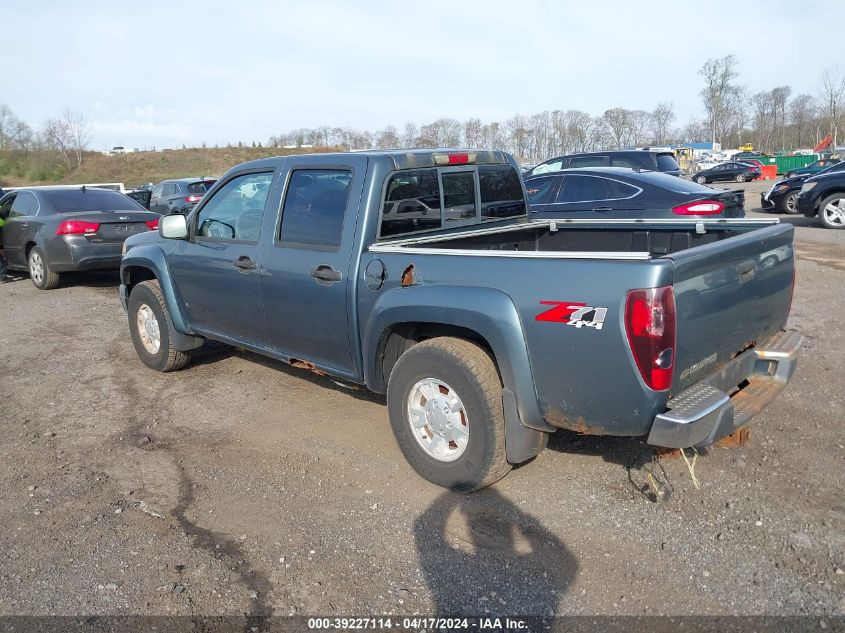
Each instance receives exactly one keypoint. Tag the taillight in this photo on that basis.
(77, 227)
(650, 326)
(193, 198)
(152, 224)
(702, 207)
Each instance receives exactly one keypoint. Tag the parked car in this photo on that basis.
(823, 195)
(627, 193)
(487, 329)
(782, 195)
(813, 168)
(635, 159)
(740, 172)
(178, 195)
(52, 230)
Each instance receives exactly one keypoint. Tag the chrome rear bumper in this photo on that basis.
(720, 404)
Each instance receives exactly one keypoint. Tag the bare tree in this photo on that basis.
(833, 98)
(618, 121)
(802, 111)
(765, 119)
(718, 75)
(69, 136)
(780, 95)
(662, 118)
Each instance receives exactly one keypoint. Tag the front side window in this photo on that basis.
(315, 205)
(585, 189)
(237, 209)
(6, 207)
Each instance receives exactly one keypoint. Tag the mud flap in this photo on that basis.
(521, 443)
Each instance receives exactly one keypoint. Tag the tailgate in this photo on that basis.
(728, 295)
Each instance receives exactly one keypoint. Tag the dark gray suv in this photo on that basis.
(178, 195)
(635, 159)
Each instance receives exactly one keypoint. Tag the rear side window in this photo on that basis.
(589, 161)
(585, 189)
(75, 200)
(501, 192)
(538, 188)
(315, 205)
(667, 162)
(412, 202)
(544, 168)
(25, 204)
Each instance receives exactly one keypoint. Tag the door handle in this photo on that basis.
(326, 275)
(602, 209)
(244, 263)
(23, 225)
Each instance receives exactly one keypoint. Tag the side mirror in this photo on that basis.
(173, 227)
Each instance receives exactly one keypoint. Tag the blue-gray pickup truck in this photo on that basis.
(420, 274)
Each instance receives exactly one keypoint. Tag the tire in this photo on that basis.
(701, 180)
(788, 204)
(832, 211)
(39, 270)
(146, 303)
(450, 367)
(740, 178)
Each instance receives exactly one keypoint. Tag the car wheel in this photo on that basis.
(39, 270)
(832, 211)
(444, 398)
(789, 203)
(740, 178)
(701, 180)
(150, 327)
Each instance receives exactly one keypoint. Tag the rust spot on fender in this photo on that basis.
(409, 277)
(306, 364)
(559, 419)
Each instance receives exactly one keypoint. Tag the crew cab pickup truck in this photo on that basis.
(419, 274)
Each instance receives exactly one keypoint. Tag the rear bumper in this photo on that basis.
(717, 406)
(75, 252)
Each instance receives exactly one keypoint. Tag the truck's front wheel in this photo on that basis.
(150, 327)
(444, 397)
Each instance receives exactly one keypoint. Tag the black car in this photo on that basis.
(652, 160)
(823, 195)
(51, 230)
(178, 195)
(615, 192)
(783, 194)
(739, 172)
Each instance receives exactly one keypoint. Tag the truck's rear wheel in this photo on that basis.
(151, 327)
(444, 397)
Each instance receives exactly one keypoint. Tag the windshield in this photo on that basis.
(200, 187)
(75, 200)
(833, 168)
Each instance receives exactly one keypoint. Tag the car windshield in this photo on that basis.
(833, 168)
(667, 162)
(89, 199)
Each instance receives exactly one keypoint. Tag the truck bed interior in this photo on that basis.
(613, 238)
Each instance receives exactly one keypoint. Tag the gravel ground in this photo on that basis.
(240, 485)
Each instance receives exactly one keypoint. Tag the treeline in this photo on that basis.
(771, 120)
(43, 154)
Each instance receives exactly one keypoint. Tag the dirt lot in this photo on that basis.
(240, 485)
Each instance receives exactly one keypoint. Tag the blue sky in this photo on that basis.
(168, 73)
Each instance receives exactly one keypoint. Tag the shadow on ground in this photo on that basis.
(481, 554)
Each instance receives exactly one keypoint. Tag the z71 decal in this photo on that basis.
(570, 313)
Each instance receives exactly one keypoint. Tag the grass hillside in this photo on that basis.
(143, 167)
